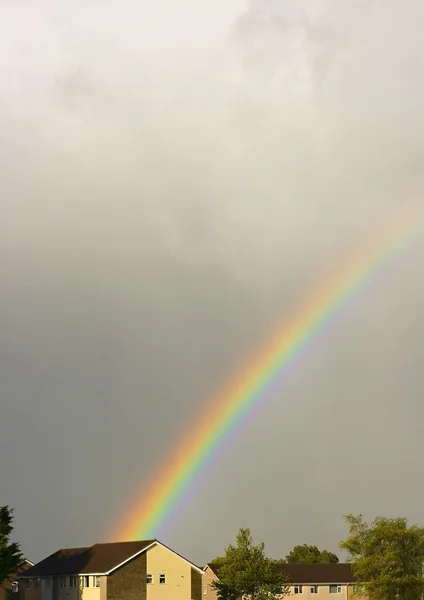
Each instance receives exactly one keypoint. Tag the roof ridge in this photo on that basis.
(149, 541)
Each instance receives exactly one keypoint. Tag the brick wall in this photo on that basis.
(196, 585)
(129, 581)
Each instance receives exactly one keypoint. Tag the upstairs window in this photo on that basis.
(96, 581)
(28, 584)
(298, 589)
(72, 581)
(149, 578)
(205, 590)
(47, 583)
(62, 582)
(335, 589)
(162, 578)
(314, 589)
(86, 581)
(37, 584)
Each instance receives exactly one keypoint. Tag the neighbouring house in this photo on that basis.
(143, 570)
(9, 589)
(210, 574)
(329, 581)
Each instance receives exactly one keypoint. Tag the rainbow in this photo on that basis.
(155, 505)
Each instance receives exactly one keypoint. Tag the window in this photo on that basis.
(205, 590)
(29, 584)
(314, 589)
(37, 584)
(96, 581)
(47, 584)
(86, 581)
(162, 578)
(298, 589)
(72, 581)
(15, 587)
(335, 589)
(149, 578)
(62, 582)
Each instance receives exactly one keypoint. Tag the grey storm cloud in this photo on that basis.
(174, 180)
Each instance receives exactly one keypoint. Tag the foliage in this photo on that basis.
(10, 556)
(310, 554)
(387, 557)
(219, 560)
(247, 571)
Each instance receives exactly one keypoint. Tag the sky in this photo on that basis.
(175, 178)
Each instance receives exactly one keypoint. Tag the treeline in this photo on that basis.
(386, 555)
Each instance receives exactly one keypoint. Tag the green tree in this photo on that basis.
(247, 572)
(310, 554)
(387, 557)
(219, 560)
(10, 555)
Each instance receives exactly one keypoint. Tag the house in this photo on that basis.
(143, 570)
(210, 575)
(329, 581)
(9, 589)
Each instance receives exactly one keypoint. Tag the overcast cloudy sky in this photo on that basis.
(175, 177)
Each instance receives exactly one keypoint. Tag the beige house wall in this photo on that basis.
(177, 571)
(347, 593)
(103, 588)
(89, 593)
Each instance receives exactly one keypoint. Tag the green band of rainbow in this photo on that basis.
(157, 503)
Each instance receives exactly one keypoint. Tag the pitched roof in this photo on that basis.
(214, 567)
(99, 558)
(318, 573)
(338, 573)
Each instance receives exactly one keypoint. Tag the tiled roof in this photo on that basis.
(99, 558)
(317, 573)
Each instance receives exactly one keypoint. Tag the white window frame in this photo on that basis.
(298, 589)
(72, 581)
(96, 581)
(149, 578)
(337, 586)
(162, 576)
(314, 589)
(86, 581)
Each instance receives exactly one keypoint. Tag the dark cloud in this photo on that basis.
(174, 179)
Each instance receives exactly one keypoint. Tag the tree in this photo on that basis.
(387, 557)
(219, 560)
(310, 554)
(247, 571)
(10, 555)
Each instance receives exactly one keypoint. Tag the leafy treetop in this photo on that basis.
(387, 557)
(246, 571)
